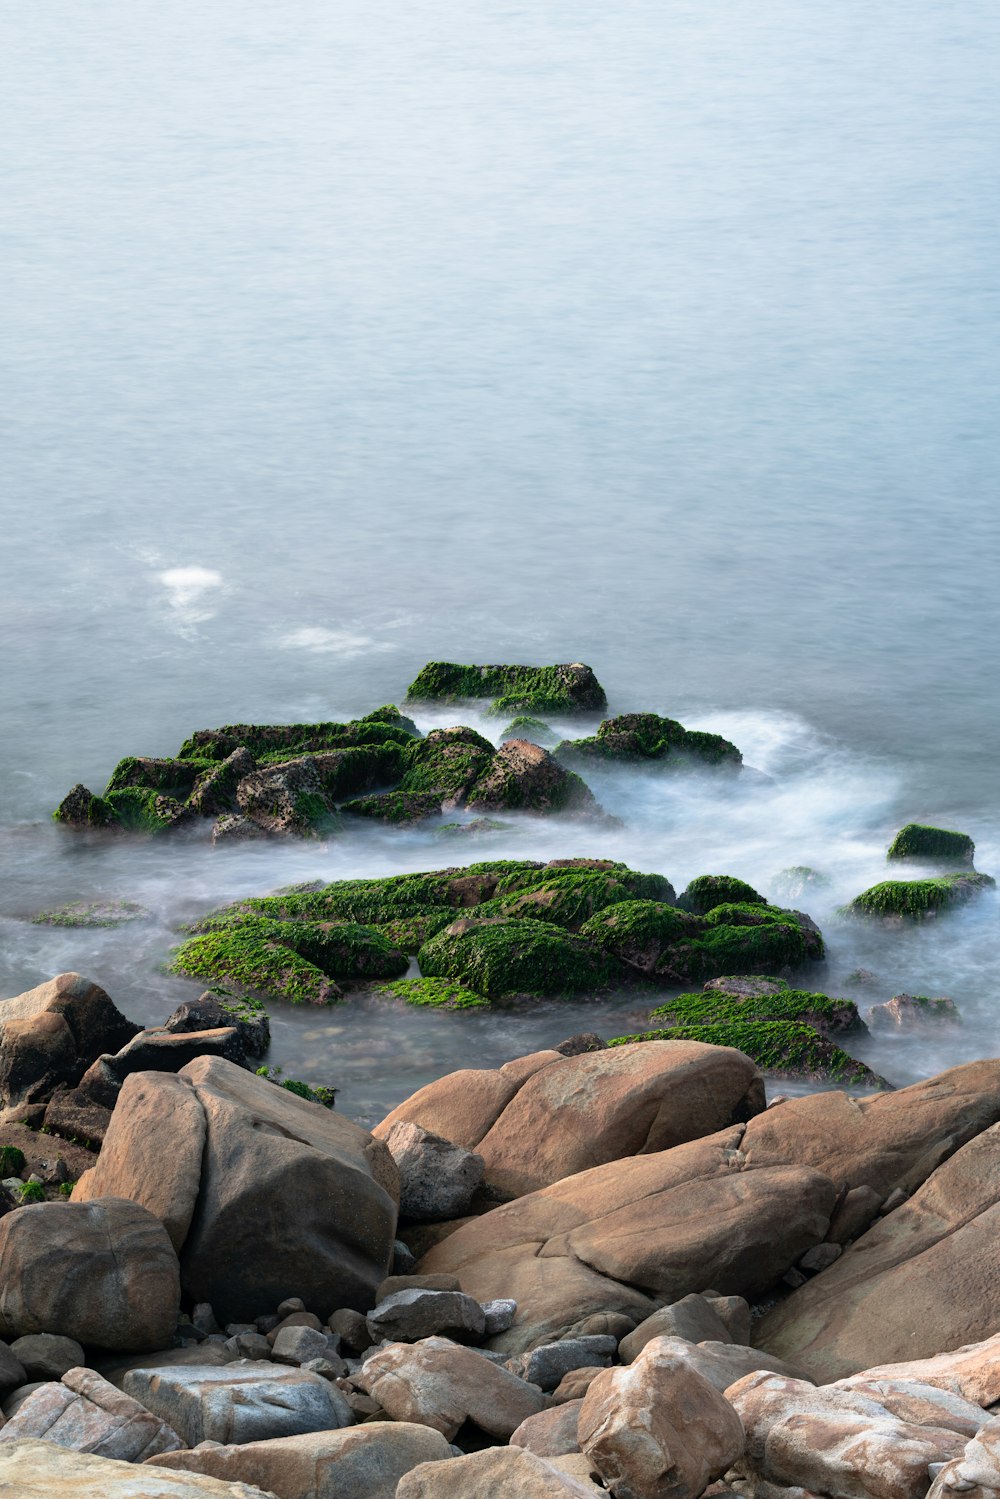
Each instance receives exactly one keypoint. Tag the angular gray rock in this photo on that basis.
(436, 1178)
(691, 1318)
(155, 1050)
(46, 1355)
(87, 1414)
(408, 1316)
(242, 1402)
(547, 1364)
(101, 1272)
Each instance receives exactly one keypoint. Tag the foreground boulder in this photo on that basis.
(599, 1251)
(358, 1462)
(242, 1402)
(266, 1194)
(657, 1428)
(972, 1372)
(39, 1470)
(976, 1473)
(102, 1272)
(546, 1116)
(50, 1035)
(923, 1280)
(87, 1414)
(441, 1384)
(511, 1471)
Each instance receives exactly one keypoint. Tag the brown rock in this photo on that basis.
(40, 1470)
(441, 1384)
(610, 1240)
(972, 1372)
(691, 1318)
(551, 1433)
(87, 1414)
(359, 1462)
(657, 1428)
(722, 1364)
(976, 1474)
(571, 1113)
(508, 1471)
(921, 1281)
(102, 1272)
(575, 1384)
(522, 775)
(51, 1034)
(919, 1404)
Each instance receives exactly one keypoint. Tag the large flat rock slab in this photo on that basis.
(37, 1470)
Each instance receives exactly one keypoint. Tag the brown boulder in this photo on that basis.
(439, 1383)
(548, 1116)
(972, 1373)
(657, 1429)
(511, 1472)
(522, 776)
(924, 1279)
(552, 1433)
(616, 1241)
(88, 1414)
(289, 1198)
(51, 1034)
(101, 1272)
(39, 1470)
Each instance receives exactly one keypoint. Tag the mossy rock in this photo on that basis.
(390, 714)
(710, 890)
(289, 741)
(647, 738)
(98, 913)
(139, 810)
(340, 949)
(522, 776)
(400, 808)
(779, 1048)
(357, 769)
(746, 985)
(172, 777)
(409, 933)
(477, 827)
(501, 958)
(797, 881)
(732, 941)
(641, 933)
(915, 900)
(447, 763)
(932, 845)
(256, 964)
(569, 897)
(710, 1007)
(438, 994)
(523, 726)
(569, 688)
(12, 1161)
(80, 808)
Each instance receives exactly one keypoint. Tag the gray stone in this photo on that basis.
(244, 1402)
(17, 1397)
(546, 1366)
(289, 1307)
(45, 1355)
(410, 1315)
(296, 1345)
(437, 1179)
(352, 1328)
(12, 1372)
(499, 1315)
(691, 1318)
(155, 1050)
(820, 1257)
(251, 1345)
(213, 1353)
(87, 1414)
(394, 1283)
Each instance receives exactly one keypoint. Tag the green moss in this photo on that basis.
(82, 809)
(819, 1011)
(709, 890)
(932, 845)
(409, 933)
(528, 689)
(104, 913)
(32, 1192)
(523, 726)
(139, 810)
(639, 738)
(448, 763)
(390, 714)
(569, 897)
(641, 933)
(373, 902)
(399, 808)
(780, 1048)
(738, 946)
(340, 949)
(171, 777)
(314, 811)
(312, 1093)
(12, 1161)
(439, 994)
(255, 962)
(517, 956)
(915, 899)
(66, 1189)
(276, 742)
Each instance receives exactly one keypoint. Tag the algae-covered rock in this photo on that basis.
(570, 895)
(932, 845)
(646, 738)
(434, 993)
(214, 792)
(524, 726)
(640, 932)
(80, 808)
(254, 961)
(779, 1048)
(571, 688)
(505, 957)
(707, 891)
(289, 741)
(524, 777)
(97, 913)
(915, 900)
(447, 763)
(288, 799)
(396, 807)
(824, 1014)
(140, 810)
(172, 777)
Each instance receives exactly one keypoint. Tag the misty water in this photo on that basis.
(337, 339)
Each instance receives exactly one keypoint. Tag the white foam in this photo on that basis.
(342, 643)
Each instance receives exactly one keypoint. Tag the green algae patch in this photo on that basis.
(517, 956)
(524, 726)
(707, 891)
(438, 994)
(711, 1007)
(932, 845)
(641, 933)
(256, 964)
(277, 742)
(568, 688)
(569, 897)
(340, 949)
(140, 810)
(647, 738)
(389, 714)
(98, 913)
(399, 808)
(80, 808)
(448, 763)
(409, 933)
(779, 1048)
(914, 900)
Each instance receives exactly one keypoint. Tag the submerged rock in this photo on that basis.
(505, 957)
(646, 738)
(715, 1006)
(570, 688)
(913, 1012)
(916, 900)
(932, 845)
(97, 913)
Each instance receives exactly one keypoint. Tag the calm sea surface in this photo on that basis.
(659, 336)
